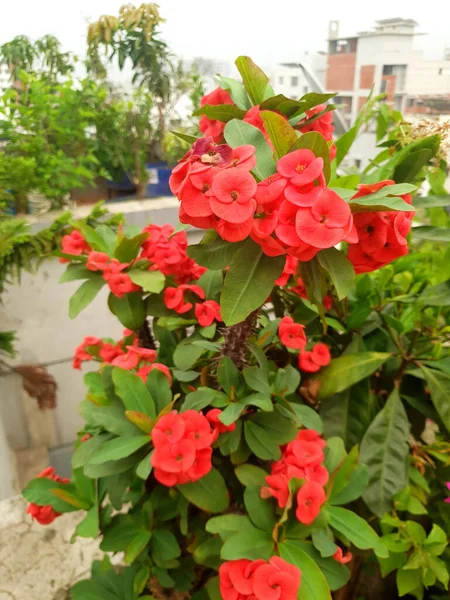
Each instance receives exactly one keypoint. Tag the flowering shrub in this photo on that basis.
(258, 425)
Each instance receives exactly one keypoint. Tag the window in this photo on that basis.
(387, 69)
(280, 80)
(294, 81)
(410, 102)
(305, 89)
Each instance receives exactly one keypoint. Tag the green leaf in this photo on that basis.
(357, 484)
(228, 375)
(227, 523)
(335, 453)
(436, 541)
(119, 448)
(40, 491)
(307, 417)
(208, 493)
(159, 387)
(384, 450)
(133, 392)
(439, 385)
(130, 310)
(431, 201)
(344, 143)
(411, 166)
(286, 381)
(74, 272)
(392, 563)
(220, 112)
(316, 143)
(356, 529)
(256, 380)
(187, 354)
(84, 295)
(265, 432)
(89, 526)
(251, 475)
(112, 418)
(109, 238)
(340, 269)
(323, 543)
(436, 295)
(347, 370)
(261, 512)
(337, 575)
(213, 252)
(236, 91)
(113, 467)
(255, 80)
(280, 132)
(150, 281)
(211, 283)
(239, 133)
(84, 452)
(314, 586)
(432, 234)
(348, 414)
(93, 238)
(189, 139)
(128, 249)
(249, 543)
(248, 283)
(407, 581)
(137, 545)
(439, 567)
(165, 544)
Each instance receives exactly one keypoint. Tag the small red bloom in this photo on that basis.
(270, 190)
(145, 354)
(301, 167)
(233, 232)
(292, 335)
(306, 362)
(243, 157)
(144, 371)
(121, 284)
(108, 352)
(207, 312)
(278, 487)
(174, 297)
(310, 498)
(169, 428)
(323, 124)
(74, 244)
(114, 267)
(174, 458)
(211, 127)
(45, 515)
(278, 580)
(97, 261)
(126, 361)
(321, 354)
(197, 429)
(232, 195)
(340, 558)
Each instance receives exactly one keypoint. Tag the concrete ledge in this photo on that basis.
(37, 562)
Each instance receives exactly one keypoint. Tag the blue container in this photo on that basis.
(158, 184)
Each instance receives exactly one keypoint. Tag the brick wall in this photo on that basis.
(340, 72)
(366, 76)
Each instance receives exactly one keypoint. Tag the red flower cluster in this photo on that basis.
(119, 283)
(95, 348)
(75, 244)
(213, 417)
(323, 125)
(45, 515)
(292, 334)
(174, 297)
(208, 312)
(312, 360)
(211, 127)
(182, 447)
(382, 235)
(166, 251)
(302, 458)
(259, 580)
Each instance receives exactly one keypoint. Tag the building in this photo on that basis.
(291, 80)
(384, 59)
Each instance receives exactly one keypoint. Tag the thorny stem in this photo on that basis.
(235, 343)
(146, 337)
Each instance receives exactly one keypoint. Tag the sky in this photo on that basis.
(268, 31)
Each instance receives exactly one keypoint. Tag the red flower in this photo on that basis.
(97, 261)
(326, 222)
(278, 580)
(270, 190)
(207, 312)
(290, 268)
(108, 352)
(304, 453)
(195, 198)
(321, 355)
(278, 487)
(92, 341)
(197, 429)
(234, 232)
(45, 515)
(174, 458)
(121, 284)
(310, 498)
(323, 125)
(213, 417)
(74, 244)
(114, 267)
(259, 580)
(174, 297)
(144, 371)
(292, 335)
(311, 435)
(232, 195)
(127, 361)
(301, 167)
(169, 429)
(243, 157)
(340, 558)
(145, 354)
